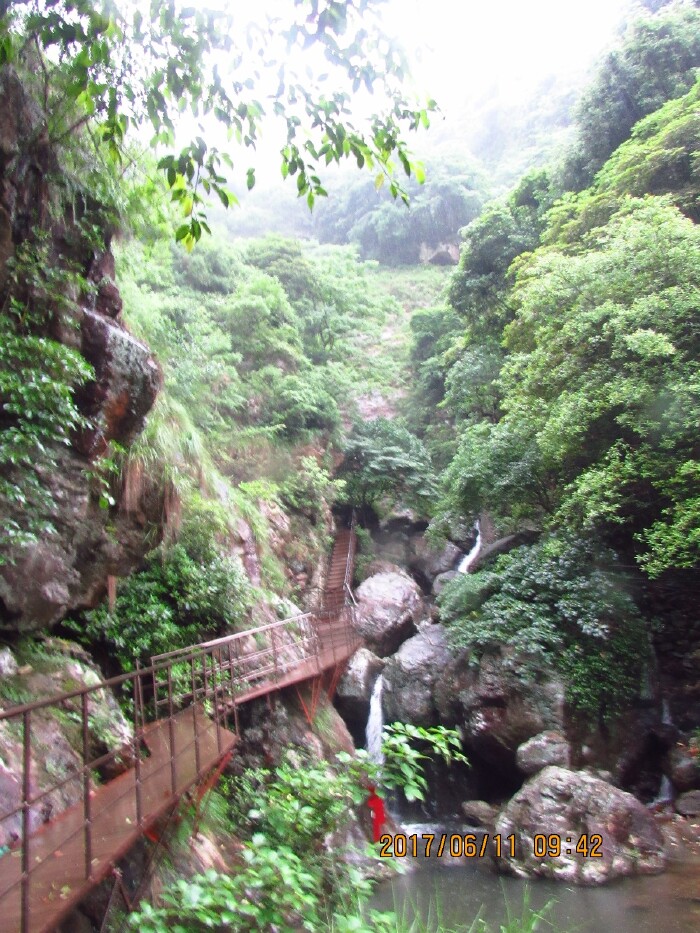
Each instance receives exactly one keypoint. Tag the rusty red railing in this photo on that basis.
(185, 719)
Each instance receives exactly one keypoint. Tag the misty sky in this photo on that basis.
(460, 49)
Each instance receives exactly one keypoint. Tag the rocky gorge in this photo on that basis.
(535, 768)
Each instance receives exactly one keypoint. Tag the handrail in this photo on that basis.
(350, 561)
(209, 679)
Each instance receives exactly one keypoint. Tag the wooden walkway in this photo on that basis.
(54, 867)
(58, 882)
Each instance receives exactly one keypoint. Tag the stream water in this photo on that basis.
(449, 893)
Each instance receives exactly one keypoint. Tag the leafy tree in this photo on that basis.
(656, 63)
(659, 158)
(450, 198)
(113, 69)
(491, 243)
(186, 592)
(383, 459)
(560, 601)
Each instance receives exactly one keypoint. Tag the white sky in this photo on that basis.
(460, 48)
(467, 46)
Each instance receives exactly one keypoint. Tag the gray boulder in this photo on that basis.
(480, 813)
(388, 606)
(429, 562)
(688, 804)
(547, 748)
(410, 677)
(441, 580)
(570, 805)
(499, 701)
(683, 768)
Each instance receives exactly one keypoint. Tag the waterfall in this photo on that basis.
(468, 559)
(666, 717)
(375, 723)
(665, 794)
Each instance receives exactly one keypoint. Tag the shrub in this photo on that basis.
(560, 601)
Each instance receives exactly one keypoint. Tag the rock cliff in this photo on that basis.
(68, 569)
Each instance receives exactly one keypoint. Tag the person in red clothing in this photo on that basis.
(376, 805)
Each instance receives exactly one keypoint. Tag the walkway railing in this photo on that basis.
(185, 719)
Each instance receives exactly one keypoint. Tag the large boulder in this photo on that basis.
(547, 748)
(576, 807)
(428, 561)
(388, 605)
(683, 768)
(688, 804)
(355, 686)
(571, 805)
(499, 701)
(410, 677)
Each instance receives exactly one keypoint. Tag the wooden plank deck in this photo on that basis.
(57, 852)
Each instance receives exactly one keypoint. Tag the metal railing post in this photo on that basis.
(216, 700)
(273, 639)
(138, 710)
(197, 761)
(171, 730)
(26, 793)
(87, 803)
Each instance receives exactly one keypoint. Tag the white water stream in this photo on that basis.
(468, 559)
(375, 723)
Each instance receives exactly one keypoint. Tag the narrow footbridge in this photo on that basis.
(185, 726)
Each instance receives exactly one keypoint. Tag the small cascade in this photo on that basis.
(665, 794)
(468, 559)
(375, 723)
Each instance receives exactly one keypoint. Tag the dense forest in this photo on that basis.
(488, 356)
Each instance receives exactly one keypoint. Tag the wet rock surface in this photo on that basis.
(354, 691)
(480, 813)
(688, 804)
(388, 605)
(547, 748)
(69, 569)
(571, 805)
(410, 676)
(498, 702)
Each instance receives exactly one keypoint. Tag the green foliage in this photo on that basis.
(659, 158)
(273, 890)
(402, 769)
(115, 70)
(656, 63)
(38, 378)
(310, 487)
(186, 592)
(365, 552)
(384, 461)
(562, 602)
(491, 243)
(384, 230)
